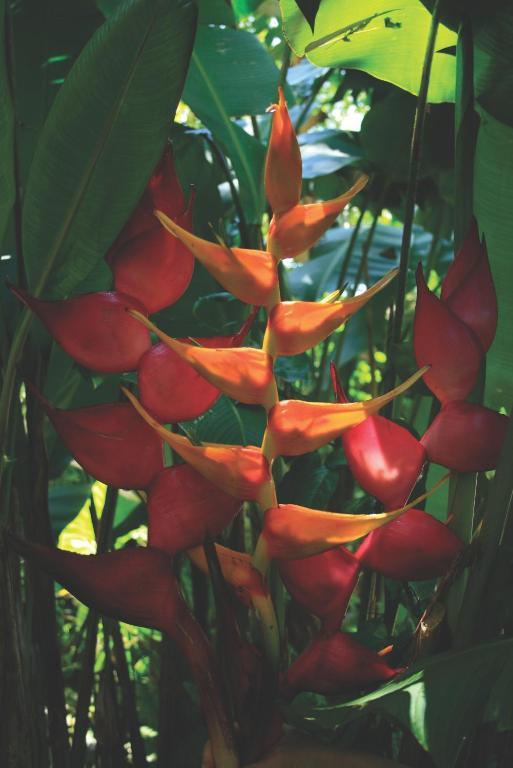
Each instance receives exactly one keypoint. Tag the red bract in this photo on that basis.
(466, 437)
(322, 583)
(299, 228)
(95, 329)
(447, 344)
(250, 275)
(244, 374)
(135, 585)
(295, 326)
(111, 442)
(171, 389)
(414, 546)
(163, 191)
(184, 508)
(384, 458)
(336, 664)
(468, 288)
(283, 162)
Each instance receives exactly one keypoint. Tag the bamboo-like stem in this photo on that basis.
(409, 209)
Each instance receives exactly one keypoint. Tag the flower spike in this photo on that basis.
(291, 531)
(466, 437)
(413, 547)
(468, 288)
(184, 508)
(295, 326)
(445, 342)
(283, 161)
(297, 426)
(94, 329)
(244, 374)
(336, 664)
(135, 585)
(322, 583)
(111, 442)
(242, 472)
(296, 230)
(385, 459)
(170, 389)
(250, 275)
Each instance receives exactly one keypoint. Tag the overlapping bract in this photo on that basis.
(283, 164)
(170, 389)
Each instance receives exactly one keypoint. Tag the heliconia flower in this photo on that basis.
(295, 326)
(296, 230)
(291, 531)
(94, 329)
(237, 571)
(322, 583)
(336, 664)
(297, 426)
(184, 508)
(240, 471)
(244, 374)
(111, 442)
(415, 546)
(163, 191)
(170, 389)
(135, 585)
(283, 162)
(250, 275)
(466, 437)
(446, 343)
(468, 288)
(154, 267)
(385, 459)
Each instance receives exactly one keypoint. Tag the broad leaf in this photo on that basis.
(115, 104)
(7, 182)
(377, 36)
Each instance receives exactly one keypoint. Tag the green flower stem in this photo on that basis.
(409, 210)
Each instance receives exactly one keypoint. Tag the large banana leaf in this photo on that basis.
(102, 138)
(386, 39)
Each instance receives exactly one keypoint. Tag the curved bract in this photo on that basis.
(237, 571)
(299, 228)
(244, 373)
(466, 437)
(94, 329)
(415, 546)
(242, 472)
(250, 275)
(336, 664)
(111, 442)
(295, 326)
(184, 508)
(297, 426)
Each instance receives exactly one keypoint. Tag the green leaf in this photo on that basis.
(103, 136)
(376, 36)
(232, 75)
(309, 482)
(229, 423)
(7, 182)
(493, 64)
(493, 203)
(441, 699)
(65, 502)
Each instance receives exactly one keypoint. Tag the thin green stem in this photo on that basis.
(409, 209)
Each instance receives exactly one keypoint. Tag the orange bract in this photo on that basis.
(244, 373)
(297, 426)
(299, 228)
(283, 163)
(250, 275)
(237, 570)
(242, 472)
(295, 326)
